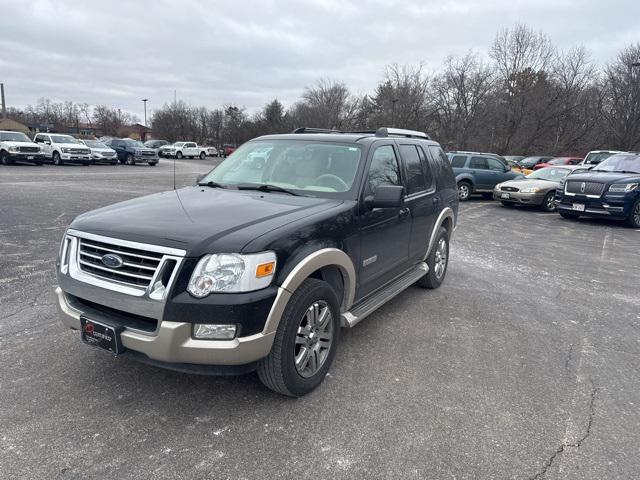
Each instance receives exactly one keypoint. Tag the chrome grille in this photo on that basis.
(138, 268)
(29, 149)
(509, 189)
(79, 151)
(584, 188)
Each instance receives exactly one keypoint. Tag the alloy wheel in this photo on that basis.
(440, 263)
(636, 214)
(313, 339)
(551, 203)
(463, 191)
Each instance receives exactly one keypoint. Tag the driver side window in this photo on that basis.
(384, 169)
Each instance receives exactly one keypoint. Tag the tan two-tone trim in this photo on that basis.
(315, 261)
(446, 213)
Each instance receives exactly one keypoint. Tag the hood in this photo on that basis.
(19, 144)
(71, 145)
(530, 183)
(200, 219)
(603, 177)
(102, 150)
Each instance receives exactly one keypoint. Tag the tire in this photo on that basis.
(179, 155)
(202, 155)
(569, 216)
(549, 204)
(438, 260)
(153, 164)
(57, 159)
(130, 160)
(278, 371)
(4, 158)
(464, 191)
(507, 204)
(633, 220)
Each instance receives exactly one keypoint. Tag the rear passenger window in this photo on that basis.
(384, 168)
(458, 161)
(413, 165)
(441, 160)
(496, 165)
(478, 163)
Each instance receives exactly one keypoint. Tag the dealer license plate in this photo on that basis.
(100, 335)
(505, 195)
(578, 207)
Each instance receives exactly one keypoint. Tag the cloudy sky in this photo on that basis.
(248, 52)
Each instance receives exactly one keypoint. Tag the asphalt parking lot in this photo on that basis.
(524, 364)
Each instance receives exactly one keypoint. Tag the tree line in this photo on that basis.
(525, 97)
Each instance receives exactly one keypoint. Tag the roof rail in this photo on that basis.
(315, 130)
(400, 132)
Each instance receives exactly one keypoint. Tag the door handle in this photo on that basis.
(404, 212)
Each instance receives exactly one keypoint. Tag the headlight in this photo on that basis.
(623, 187)
(498, 186)
(232, 272)
(13, 148)
(65, 150)
(531, 190)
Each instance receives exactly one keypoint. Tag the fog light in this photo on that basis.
(214, 332)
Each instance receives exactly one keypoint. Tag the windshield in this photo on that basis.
(133, 143)
(305, 166)
(14, 137)
(178, 144)
(529, 161)
(94, 144)
(63, 139)
(550, 173)
(558, 161)
(627, 162)
(595, 158)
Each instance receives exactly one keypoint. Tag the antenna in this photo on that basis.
(174, 173)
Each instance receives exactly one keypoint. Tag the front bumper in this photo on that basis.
(609, 205)
(172, 342)
(73, 157)
(26, 157)
(520, 198)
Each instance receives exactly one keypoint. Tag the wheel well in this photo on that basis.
(333, 276)
(448, 225)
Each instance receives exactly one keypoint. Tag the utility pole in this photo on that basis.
(393, 112)
(4, 105)
(145, 100)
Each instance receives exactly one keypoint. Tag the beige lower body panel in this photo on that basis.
(173, 343)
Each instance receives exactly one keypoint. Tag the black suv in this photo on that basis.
(260, 264)
(132, 151)
(610, 190)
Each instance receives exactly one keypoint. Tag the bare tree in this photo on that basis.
(619, 101)
(327, 104)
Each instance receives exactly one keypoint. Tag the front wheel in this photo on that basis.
(437, 261)
(306, 341)
(57, 159)
(634, 218)
(179, 155)
(464, 191)
(130, 160)
(4, 158)
(202, 155)
(549, 202)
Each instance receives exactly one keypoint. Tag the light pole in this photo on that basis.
(145, 100)
(393, 112)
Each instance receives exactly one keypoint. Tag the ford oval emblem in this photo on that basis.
(583, 186)
(112, 260)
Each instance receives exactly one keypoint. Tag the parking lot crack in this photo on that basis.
(566, 445)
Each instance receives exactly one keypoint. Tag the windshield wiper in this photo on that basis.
(265, 187)
(212, 184)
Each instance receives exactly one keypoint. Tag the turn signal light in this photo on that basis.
(265, 269)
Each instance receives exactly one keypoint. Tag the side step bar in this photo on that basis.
(382, 296)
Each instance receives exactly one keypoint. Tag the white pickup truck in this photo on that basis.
(184, 149)
(16, 146)
(61, 149)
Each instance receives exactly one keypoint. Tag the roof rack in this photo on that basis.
(381, 132)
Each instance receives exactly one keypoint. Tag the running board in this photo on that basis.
(382, 296)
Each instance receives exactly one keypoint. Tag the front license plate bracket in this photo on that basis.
(100, 335)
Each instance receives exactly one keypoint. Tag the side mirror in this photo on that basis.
(47, 142)
(386, 196)
(507, 168)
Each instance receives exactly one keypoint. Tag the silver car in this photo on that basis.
(537, 188)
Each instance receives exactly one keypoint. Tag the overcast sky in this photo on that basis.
(248, 52)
